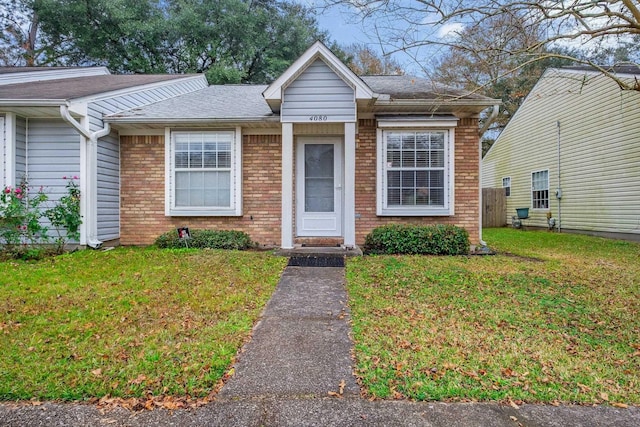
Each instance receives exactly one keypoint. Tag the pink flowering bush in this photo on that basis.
(22, 210)
(20, 215)
(65, 215)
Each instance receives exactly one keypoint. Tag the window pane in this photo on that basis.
(319, 178)
(182, 197)
(393, 158)
(408, 179)
(393, 197)
(393, 179)
(437, 159)
(393, 141)
(182, 180)
(182, 159)
(436, 197)
(196, 180)
(408, 197)
(408, 141)
(408, 159)
(436, 179)
(422, 141)
(209, 160)
(422, 178)
(224, 159)
(422, 159)
(195, 159)
(437, 141)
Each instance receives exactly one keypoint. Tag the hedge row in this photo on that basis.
(414, 239)
(213, 239)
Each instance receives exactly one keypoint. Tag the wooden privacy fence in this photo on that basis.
(494, 207)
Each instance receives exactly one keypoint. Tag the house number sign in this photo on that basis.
(318, 118)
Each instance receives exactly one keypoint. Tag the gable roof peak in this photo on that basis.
(318, 50)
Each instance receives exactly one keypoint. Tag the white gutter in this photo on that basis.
(90, 178)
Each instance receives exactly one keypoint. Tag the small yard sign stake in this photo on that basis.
(184, 235)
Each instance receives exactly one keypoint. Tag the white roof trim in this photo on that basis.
(96, 97)
(317, 50)
(42, 74)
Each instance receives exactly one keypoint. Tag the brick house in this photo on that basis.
(319, 156)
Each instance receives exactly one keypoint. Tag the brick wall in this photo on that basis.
(466, 182)
(143, 181)
(142, 192)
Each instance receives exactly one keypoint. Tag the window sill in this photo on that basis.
(415, 212)
(204, 212)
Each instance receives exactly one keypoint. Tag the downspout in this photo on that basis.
(485, 126)
(559, 189)
(92, 143)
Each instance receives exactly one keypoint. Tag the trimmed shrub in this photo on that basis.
(415, 239)
(212, 239)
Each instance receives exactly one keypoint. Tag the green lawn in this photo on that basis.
(551, 318)
(127, 322)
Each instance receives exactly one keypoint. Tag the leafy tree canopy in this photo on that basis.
(231, 41)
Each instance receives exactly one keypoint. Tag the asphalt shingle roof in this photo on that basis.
(411, 87)
(213, 102)
(78, 87)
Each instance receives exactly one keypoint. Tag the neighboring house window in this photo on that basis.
(204, 173)
(540, 189)
(415, 177)
(506, 184)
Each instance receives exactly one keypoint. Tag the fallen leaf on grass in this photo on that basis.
(620, 405)
(138, 380)
(97, 372)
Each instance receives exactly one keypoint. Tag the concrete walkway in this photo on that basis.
(301, 347)
(301, 351)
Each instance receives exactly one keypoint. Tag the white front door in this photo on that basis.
(319, 186)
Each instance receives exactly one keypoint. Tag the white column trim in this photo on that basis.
(349, 184)
(167, 171)
(10, 150)
(287, 186)
(238, 172)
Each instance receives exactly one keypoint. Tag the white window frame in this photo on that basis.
(447, 126)
(508, 179)
(547, 189)
(235, 209)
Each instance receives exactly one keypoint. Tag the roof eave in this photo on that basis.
(160, 120)
(32, 102)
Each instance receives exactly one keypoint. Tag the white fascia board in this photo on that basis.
(437, 123)
(32, 102)
(139, 88)
(52, 74)
(317, 50)
(484, 103)
(186, 122)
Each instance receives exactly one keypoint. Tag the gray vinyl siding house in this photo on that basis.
(41, 145)
(580, 134)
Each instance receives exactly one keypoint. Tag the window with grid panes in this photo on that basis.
(540, 189)
(415, 169)
(202, 168)
(506, 184)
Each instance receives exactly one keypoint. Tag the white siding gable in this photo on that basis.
(318, 94)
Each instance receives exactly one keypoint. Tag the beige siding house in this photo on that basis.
(573, 149)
